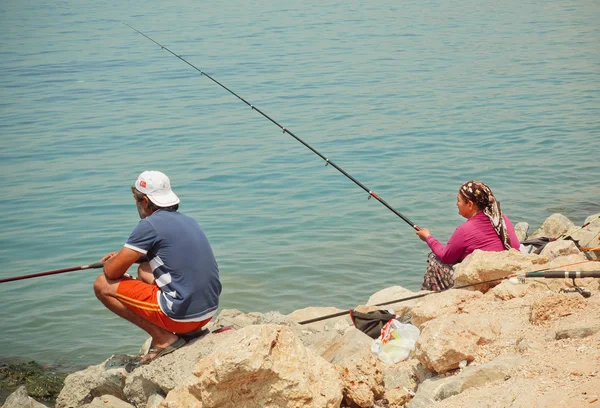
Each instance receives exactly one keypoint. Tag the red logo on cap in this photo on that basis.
(143, 183)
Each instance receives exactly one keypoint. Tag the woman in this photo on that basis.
(486, 229)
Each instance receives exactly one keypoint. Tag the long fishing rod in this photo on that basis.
(513, 278)
(420, 295)
(35, 275)
(285, 130)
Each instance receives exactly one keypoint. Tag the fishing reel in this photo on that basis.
(585, 293)
(522, 278)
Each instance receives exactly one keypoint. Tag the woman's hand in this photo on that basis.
(423, 233)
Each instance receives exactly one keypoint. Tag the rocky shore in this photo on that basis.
(533, 343)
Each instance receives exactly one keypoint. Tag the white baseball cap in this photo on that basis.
(157, 187)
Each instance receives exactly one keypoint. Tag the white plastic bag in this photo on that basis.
(396, 342)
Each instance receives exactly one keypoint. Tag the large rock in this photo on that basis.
(447, 341)
(483, 266)
(20, 399)
(319, 341)
(237, 319)
(588, 236)
(393, 297)
(440, 388)
(107, 378)
(580, 331)
(554, 226)
(558, 248)
(440, 304)
(400, 381)
(261, 366)
(106, 401)
(333, 323)
(359, 370)
(549, 307)
(521, 229)
(165, 373)
(180, 397)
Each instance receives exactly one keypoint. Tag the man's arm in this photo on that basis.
(116, 266)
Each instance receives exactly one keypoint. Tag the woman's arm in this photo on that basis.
(454, 249)
(512, 235)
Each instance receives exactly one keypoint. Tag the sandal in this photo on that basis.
(161, 351)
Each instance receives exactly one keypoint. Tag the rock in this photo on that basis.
(20, 399)
(107, 401)
(577, 332)
(589, 236)
(446, 341)
(107, 378)
(318, 342)
(507, 290)
(275, 318)
(154, 401)
(440, 388)
(482, 266)
(180, 397)
(521, 229)
(558, 248)
(396, 293)
(308, 313)
(554, 226)
(352, 342)
(440, 304)
(523, 345)
(400, 381)
(259, 366)
(397, 397)
(359, 370)
(552, 306)
(164, 374)
(237, 319)
(421, 372)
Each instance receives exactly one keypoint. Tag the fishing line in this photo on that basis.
(285, 130)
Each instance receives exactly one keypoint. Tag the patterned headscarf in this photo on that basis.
(483, 197)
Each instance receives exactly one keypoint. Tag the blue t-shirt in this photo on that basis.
(183, 264)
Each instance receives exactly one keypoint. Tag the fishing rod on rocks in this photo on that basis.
(513, 278)
(285, 130)
(35, 275)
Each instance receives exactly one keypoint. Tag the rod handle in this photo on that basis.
(564, 274)
(94, 265)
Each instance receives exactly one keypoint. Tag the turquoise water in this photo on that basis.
(410, 99)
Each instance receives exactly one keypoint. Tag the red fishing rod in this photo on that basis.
(35, 275)
(285, 130)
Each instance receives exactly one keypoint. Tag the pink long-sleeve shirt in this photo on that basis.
(476, 233)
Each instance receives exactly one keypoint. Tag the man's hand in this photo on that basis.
(108, 256)
(116, 264)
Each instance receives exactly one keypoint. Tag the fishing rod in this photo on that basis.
(35, 275)
(285, 130)
(513, 278)
(420, 295)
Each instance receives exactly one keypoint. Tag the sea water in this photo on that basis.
(410, 99)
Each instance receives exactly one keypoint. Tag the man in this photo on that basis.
(178, 287)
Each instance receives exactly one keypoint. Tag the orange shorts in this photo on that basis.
(141, 298)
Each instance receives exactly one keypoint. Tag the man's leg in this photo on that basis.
(106, 292)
